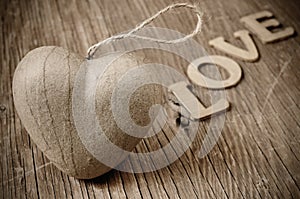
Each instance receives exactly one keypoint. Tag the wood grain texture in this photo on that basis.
(258, 154)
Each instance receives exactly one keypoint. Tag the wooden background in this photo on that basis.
(258, 154)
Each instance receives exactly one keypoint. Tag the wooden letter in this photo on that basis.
(231, 66)
(260, 28)
(192, 105)
(251, 54)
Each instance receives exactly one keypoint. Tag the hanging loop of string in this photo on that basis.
(92, 50)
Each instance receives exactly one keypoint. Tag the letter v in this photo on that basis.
(251, 54)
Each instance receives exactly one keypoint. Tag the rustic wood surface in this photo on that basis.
(258, 154)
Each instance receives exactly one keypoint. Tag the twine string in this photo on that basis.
(92, 50)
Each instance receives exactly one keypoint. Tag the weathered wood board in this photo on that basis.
(258, 154)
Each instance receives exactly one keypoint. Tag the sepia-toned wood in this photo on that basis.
(258, 154)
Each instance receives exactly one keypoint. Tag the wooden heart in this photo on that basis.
(42, 88)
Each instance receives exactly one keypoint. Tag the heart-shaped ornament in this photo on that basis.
(43, 89)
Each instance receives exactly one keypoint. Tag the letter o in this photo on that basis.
(229, 65)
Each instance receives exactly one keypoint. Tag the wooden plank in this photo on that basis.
(258, 154)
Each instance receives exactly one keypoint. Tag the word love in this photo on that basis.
(259, 27)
